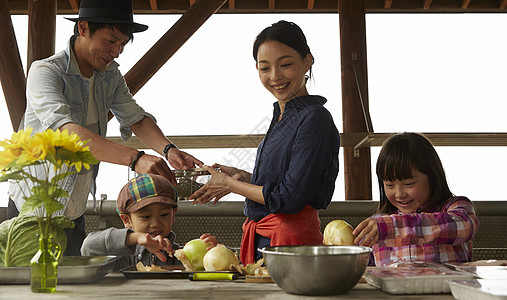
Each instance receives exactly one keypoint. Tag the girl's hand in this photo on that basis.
(366, 233)
(208, 238)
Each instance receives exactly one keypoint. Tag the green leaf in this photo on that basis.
(58, 192)
(59, 177)
(51, 158)
(67, 155)
(52, 206)
(14, 175)
(88, 158)
(32, 203)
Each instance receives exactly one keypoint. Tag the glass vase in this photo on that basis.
(44, 266)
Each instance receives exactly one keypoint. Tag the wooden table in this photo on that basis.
(116, 286)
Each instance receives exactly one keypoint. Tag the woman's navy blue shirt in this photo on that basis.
(297, 162)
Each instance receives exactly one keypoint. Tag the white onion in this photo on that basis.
(195, 251)
(338, 232)
(220, 258)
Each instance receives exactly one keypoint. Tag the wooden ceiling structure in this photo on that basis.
(358, 134)
(292, 6)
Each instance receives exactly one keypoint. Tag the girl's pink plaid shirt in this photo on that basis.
(444, 235)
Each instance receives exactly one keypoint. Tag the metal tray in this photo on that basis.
(72, 269)
(131, 272)
(486, 272)
(478, 263)
(478, 289)
(413, 280)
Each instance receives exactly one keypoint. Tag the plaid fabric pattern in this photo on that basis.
(444, 235)
(144, 190)
(142, 187)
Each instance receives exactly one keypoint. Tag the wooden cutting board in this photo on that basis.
(258, 279)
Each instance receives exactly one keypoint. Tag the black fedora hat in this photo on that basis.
(108, 11)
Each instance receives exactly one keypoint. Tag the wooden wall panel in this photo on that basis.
(11, 71)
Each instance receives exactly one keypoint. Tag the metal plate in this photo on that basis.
(72, 269)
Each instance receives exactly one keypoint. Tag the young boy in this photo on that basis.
(147, 208)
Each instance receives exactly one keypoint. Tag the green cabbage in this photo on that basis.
(19, 239)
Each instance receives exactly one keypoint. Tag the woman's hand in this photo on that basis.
(366, 233)
(234, 173)
(216, 188)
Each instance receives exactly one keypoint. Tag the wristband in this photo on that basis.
(167, 148)
(133, 163)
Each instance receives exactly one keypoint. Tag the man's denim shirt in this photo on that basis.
(57, 94)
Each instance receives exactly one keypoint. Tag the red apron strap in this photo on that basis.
(264, 227)
(302, 228)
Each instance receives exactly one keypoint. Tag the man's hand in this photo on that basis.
(150, 134)
(150, 164)
(182, 160)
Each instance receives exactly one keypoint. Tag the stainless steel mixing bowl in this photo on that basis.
(316, 270)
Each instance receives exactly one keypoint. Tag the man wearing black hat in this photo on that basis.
(75, 89)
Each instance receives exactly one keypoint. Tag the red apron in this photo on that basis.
(302, 228)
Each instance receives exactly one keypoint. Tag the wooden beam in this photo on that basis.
(74, 5)
(12, 76)
(202, 141)
(170, 42)
(271, 4)
(503, 4)
(311, 4)
(357, 170)
(348, 140)
(291, 6)
(447, 139)
(465, 3)
(427, 4)
(41, 30)
(153, 5)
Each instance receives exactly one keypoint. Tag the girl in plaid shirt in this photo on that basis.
(418, 217)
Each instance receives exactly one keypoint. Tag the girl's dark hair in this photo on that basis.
(287, 33)
(402, 152)
(126, 29)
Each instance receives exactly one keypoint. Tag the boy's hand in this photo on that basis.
(208, 238)
(154, 244)
(366, 233)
